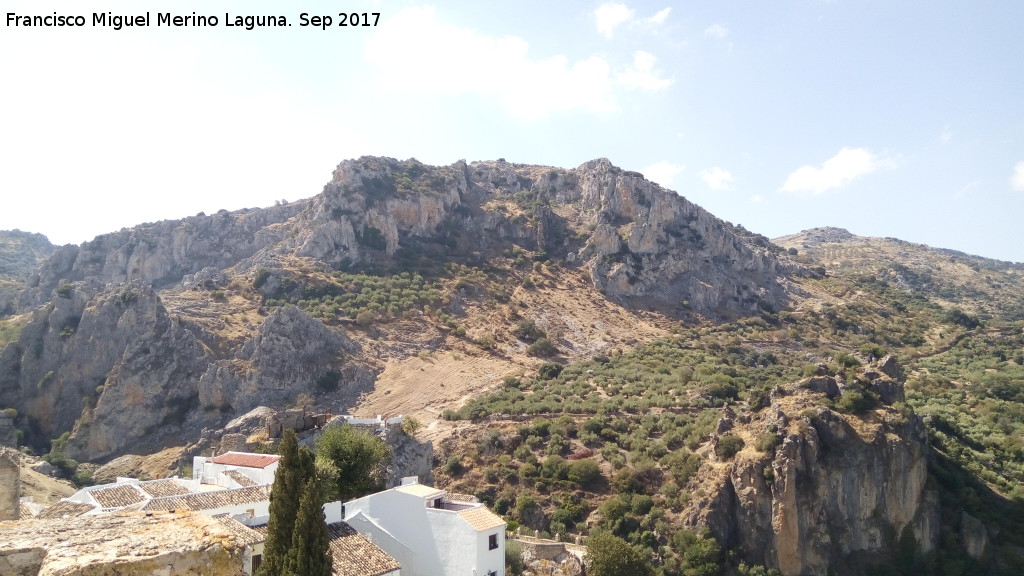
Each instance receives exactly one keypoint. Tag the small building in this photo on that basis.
(235, 469)
(431, 532)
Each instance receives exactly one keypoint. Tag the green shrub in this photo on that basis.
(542, 347)
(549, 370)
(728, 446)
(584, 471)
(767, 442)
(854, 401)
(454, 466)
(527, 330)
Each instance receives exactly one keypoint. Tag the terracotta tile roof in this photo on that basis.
(246, 535)
(239, 478)
(246, 460)
(117, 496)
(481, 518)
(161, 488)
(353, 555)
(210, 500)
(456, 497)
(66, 509)
(421, 490)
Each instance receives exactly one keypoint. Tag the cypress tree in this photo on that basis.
(284, 502)
(310, 553)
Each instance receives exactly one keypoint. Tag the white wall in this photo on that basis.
(487, 560)
(440, 541)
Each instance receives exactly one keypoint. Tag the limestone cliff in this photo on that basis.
(162, 329)
(835, 493)
(633, 238)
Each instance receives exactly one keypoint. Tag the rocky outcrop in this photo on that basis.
(161, 253)
(123, 544)
(837, 491)
(118, 340)
(289, 351)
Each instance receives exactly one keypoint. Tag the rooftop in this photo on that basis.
(420, 490)
(210, 500)
(244, 533)
(117, 496)
(239, 478)
(161, 488)
(66, 509)
(246, 459)
(480, 518)
(352, 554)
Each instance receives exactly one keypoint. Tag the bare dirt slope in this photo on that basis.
(444, 375)
(42, 488)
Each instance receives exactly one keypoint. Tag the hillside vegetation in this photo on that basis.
(590, 353)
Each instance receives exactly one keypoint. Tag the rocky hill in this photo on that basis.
(586, 349)
(180, 325)
(20, 254)
(993, 288)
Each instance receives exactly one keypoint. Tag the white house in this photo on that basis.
(431, 532)
(235, 469)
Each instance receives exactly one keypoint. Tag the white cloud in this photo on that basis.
(1017, 181)
(947, 134)
(716, 31)
(660, 16)
(717, 178)
(757, 199)
(663, 172)
(836, 172)
(610, 16)
(642, 75)
(415, 51)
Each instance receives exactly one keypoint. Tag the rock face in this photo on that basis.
(116, 351)
(634, 239)
(838, 491)
(20, 254)
(124, 544)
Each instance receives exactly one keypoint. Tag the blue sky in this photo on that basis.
(900, 119)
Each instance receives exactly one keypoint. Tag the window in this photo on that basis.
(257, 560)
(438, 503)
(342, 511)
(492, 541)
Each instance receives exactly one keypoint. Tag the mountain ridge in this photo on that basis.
(650, 334)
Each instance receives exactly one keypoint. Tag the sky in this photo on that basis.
(900, 119)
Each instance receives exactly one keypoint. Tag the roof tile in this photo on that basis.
(117, 496)
(481, 518)
(246, 459)
(210, 500)
(161, 488)
(66, 509)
